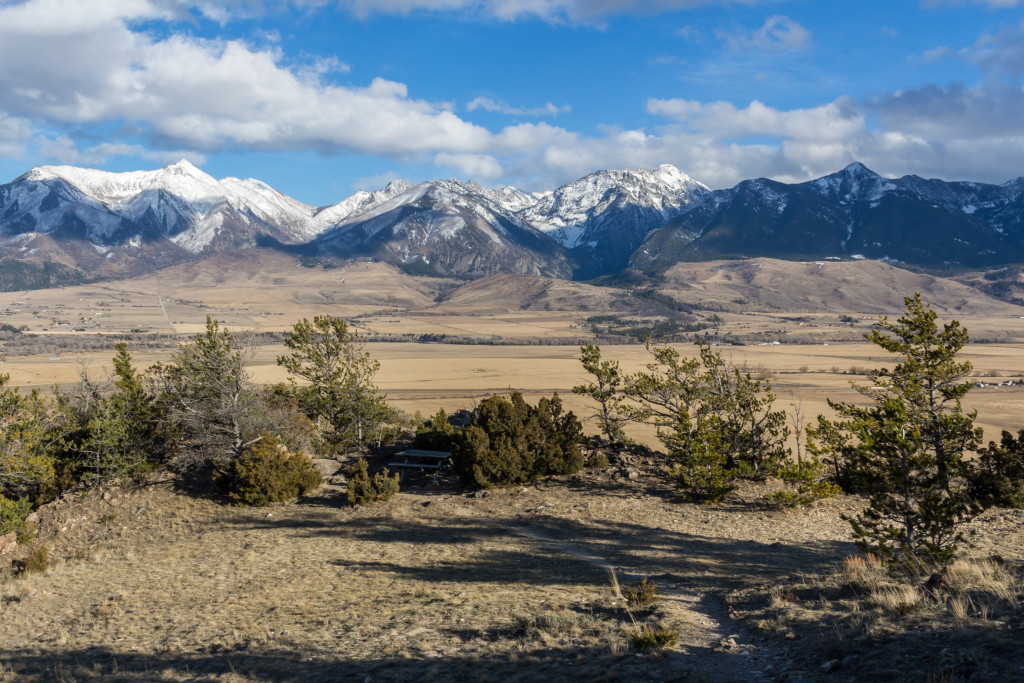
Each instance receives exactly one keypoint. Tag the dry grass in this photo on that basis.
(436, 584)
(425, 377)
(958, 623)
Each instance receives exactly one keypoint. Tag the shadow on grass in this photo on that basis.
(535, 664)
(549, 550)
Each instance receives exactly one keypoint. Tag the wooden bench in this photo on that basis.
(415, 458)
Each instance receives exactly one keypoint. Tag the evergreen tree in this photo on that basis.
(340, 393)
(210, 406)
(908, 449)
(717, 422)
(606, 390)
(111, 435)
(27, 441)
(998, 478)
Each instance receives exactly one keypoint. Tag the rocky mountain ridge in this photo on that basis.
(99, 224)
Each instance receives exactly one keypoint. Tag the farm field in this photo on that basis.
(425, 377)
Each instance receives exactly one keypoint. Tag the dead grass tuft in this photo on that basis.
(649, 637)
(555, 622)
(971, 607)
(642, 594)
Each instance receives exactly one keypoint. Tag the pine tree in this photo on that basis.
(26, 441)
(210, 406)
(340, 393)
(908, 449)
(717, 422)
(606, 391)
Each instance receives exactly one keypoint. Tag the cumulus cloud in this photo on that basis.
(67, 151)
(77, 65)
(475, 166)
(837, 120)
(14, 133)
(488, 104)
(87, 66)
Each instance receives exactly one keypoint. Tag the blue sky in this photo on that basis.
(322, 97)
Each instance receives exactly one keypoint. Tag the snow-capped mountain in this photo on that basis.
(852, 213)
(87, 223)
(451, 228)
(362, 201)
(603, 217)
(180, 203)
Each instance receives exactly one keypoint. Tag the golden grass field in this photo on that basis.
(425, 377)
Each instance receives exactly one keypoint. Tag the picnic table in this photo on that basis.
(419, 459)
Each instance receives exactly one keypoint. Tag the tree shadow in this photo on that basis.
(535, 663)
(550, 550)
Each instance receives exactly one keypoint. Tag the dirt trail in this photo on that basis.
(715, 645)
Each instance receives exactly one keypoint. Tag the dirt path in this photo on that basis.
(713, 643)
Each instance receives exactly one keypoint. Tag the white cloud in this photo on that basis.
(91, 67)
(834, 121)
(777, 34)
(14, 133)
(488, 104)
(474, 166)
(65, 150)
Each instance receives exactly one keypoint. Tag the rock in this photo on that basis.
(849, 661)
(829, 666)
(33, 517)
(632, 474)
(8, 542)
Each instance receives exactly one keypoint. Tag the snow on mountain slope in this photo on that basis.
(447, 227)
(572, 213)
(357, 204)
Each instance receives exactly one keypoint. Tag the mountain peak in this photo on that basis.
(857, 168)
(184, 167)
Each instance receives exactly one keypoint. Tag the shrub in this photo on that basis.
(511, 442)
(363, 489)
(38, 560)
(702, 469)
(267, 473)
(998, 476)
(13, 513)
(642, 594)
(649, 637)
(437, 434)
(809, 478)
(554, 622)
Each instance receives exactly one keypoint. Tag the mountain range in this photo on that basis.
(58, 223)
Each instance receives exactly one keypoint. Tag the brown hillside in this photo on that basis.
(854, 287)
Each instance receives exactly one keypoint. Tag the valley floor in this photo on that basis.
(153, 583)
